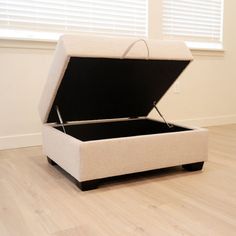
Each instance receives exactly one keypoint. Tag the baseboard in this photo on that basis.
(17, 141)
(209, 121)
(34, 139)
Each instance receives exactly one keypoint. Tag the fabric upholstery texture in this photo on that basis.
(115, 156)
(111, 157)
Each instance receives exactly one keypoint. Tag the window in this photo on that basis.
(199, 22)
(47, 18)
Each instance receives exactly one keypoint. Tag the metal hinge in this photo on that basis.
(60, 119)
(169, 125)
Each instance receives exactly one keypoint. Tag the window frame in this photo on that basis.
(154, 31)
(117, 18)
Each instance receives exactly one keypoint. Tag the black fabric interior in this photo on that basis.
(106, 130)
(103, 88)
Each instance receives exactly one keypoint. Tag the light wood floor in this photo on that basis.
(38, 199)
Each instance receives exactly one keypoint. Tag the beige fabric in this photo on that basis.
(134, 154)
(62, 148)
(114, 47)
(106, 47)
(111, 157)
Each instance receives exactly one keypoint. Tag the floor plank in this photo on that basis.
(38, 199)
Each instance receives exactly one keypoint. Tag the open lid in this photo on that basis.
(89, 79)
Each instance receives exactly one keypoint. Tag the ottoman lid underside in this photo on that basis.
(89, 79)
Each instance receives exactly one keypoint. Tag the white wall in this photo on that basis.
(22, 75)
(207, 88)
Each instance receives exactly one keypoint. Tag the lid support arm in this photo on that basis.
(60, 119)
(169, 125)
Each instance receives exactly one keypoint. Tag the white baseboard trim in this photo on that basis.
(18, 141)
(34, 139)
(209, 121)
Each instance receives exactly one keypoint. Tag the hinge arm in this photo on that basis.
(60, 119)
(169, 125)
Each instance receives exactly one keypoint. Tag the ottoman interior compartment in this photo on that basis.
(118, 129)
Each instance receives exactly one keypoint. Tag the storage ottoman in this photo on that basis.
(95, 108)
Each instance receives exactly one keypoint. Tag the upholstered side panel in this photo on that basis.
(114, 47)
(55, 75)
(62, 148)
(99, 159)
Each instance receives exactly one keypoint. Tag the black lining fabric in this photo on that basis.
(103, 88)
(118, 129)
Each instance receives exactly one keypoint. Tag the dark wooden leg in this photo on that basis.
(51, 162)
(87, 185)
(193, 166)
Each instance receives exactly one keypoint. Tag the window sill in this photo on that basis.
(27, 44)
(28, 40)
(206, 49)
(49, 43)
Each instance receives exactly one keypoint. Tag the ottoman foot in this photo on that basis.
(51, 162)
(193, 166)
(87, 185)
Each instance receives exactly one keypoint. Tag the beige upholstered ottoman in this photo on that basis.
(95, 108)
